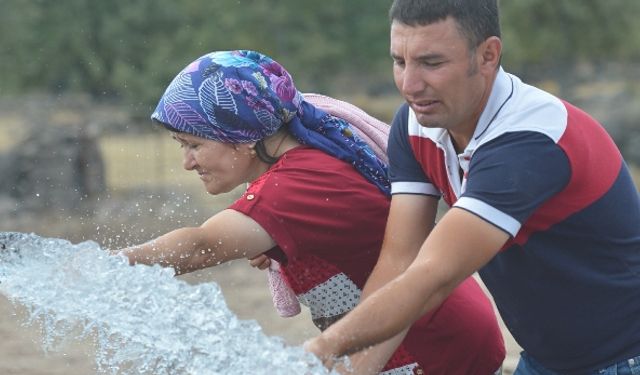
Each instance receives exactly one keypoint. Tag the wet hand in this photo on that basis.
(321, 349)
(8, 241)
(114, 252)
(261, 262)
(9, 246)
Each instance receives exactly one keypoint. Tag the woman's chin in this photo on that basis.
(215, 190)
(212, 190)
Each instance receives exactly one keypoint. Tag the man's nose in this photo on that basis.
(412, 81)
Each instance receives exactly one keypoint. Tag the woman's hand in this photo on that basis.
(8, 241)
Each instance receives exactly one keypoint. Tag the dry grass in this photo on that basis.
(12, 131)
(145, 160)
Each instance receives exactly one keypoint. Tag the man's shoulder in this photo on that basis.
(530, 111)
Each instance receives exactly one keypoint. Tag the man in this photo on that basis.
(543, 205)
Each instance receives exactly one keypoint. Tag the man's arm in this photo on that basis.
(226, 236)
(460, 244)
(411, 218)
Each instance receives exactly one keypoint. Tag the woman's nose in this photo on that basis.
(188, 161)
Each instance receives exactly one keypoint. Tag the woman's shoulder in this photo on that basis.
(309, 172)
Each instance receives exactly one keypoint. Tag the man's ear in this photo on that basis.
(489, 53)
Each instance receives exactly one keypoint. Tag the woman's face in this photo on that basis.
(221, 166)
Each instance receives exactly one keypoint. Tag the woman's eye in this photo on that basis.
(188, 146)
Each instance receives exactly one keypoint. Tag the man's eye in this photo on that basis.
(432, 64)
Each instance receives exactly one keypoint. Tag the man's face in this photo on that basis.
(437, 74)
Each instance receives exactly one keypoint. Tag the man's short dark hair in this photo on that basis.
(477, 19)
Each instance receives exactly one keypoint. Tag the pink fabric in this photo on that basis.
(367, 127)
(284, 298)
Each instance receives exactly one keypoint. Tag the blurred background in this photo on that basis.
(80, 160)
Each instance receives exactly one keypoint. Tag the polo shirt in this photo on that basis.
(567, 283)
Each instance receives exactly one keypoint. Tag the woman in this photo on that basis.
(317, 203)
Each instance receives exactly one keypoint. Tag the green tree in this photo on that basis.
(129, 51)
(565, 32)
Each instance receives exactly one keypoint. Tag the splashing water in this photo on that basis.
(144, 320)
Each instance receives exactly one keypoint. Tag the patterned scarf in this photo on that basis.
(245, 96)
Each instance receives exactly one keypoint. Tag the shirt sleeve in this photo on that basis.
(405, 173)
(511, 176)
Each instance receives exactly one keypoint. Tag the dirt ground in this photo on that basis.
(245, 291)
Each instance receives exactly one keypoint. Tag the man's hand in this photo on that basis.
(321, 349)
(261, 262)
(340, 365)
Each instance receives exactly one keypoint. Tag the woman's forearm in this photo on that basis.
(183, 249)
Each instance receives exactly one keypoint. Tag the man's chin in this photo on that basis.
(428, 122)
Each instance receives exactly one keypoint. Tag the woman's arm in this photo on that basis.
(226, 236)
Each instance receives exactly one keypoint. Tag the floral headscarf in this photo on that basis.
(245, 96)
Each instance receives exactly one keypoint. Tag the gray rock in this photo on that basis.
(54, 168)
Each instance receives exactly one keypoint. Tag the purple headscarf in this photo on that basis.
(244, 96)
